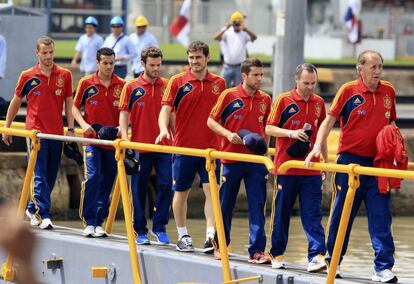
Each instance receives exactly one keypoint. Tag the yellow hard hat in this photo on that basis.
(237, 17)
(141, 21)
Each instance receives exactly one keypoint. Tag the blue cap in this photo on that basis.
(253, 141)
(105, 132)
(116, 21)
(91, 21)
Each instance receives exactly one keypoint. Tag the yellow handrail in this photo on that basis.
(353, 171)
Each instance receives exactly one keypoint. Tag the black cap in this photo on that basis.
(299, 149)
(71, 151)
(131, 163)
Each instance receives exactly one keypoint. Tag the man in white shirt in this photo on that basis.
(122, 45)
(141, 40)
(87, 46)
(233, 44)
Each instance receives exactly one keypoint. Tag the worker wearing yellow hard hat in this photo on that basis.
(233, 40)
(141, 39)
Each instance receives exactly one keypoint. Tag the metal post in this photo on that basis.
(290, 38)
(126, 204)
(353, 184)
(218, 218)
(114, 206)
(7, 268)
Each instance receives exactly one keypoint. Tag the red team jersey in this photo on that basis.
(45, 97)
(236, 110)
(291, 111)
(192, 101)
(143, 102)
(100, 103)
(362, 115)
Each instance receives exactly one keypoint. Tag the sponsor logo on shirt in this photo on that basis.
(58, 92)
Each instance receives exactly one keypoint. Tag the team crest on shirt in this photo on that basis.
(318, 110)
(262, 107)
(387, 102)
(117, 91)
(60, 81)
(215, 89)
(58, 92)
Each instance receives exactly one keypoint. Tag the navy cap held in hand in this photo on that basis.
(253, 141)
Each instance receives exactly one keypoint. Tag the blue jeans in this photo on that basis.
(139, 186)
(45, 173)
(96, 189)
(378, 212)
(309, 189)
(231, 74)
(254, 176)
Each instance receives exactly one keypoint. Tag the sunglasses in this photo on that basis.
(116, 26)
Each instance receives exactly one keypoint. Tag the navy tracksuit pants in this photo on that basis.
(100, 176)
(45, 173)
(254, 177)
(378, 212)
(309, 189)
(139, 185)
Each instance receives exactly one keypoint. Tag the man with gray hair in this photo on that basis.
(363, 107)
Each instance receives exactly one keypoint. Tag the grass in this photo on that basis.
(175, 51)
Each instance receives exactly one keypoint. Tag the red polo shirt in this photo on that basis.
(192, 101)
(291, 111)
(100, 103)
(362, 115)
(45, 97)
(143, 102)
(236, 110)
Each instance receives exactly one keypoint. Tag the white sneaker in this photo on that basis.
(278, 262)
(89, 232)
(33, 219)
(46, 224)
(317, 263)
(385, 276)
(339, 274)
(100, 232)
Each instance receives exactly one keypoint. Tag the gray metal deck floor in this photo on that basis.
(158, 264)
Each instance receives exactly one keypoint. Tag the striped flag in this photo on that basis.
(351, 21)
(180, 27)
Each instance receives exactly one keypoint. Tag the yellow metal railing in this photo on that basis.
(121, 189)
(353, 171)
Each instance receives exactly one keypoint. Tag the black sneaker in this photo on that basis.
(185, 243)
(208, 246)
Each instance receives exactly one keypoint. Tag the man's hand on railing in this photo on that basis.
(163, 135)
(7, 139)
(316, 151)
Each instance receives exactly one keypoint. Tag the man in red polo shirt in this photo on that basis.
(99, 95)
(243, 107)
(191, 95)
(140, 105)
(47, 88)
(363, 107)
(295, 118)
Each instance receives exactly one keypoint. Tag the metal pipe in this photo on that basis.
(114, 206)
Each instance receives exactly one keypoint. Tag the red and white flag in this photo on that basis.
(351, 21)
(180, 27)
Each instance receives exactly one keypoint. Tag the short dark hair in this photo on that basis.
(104, 51)
(249, 63)
(198, 45)
(305, 66)
(152, 51)
(362, 57)
(45, 40)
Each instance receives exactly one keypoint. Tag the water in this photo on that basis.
(359, 258)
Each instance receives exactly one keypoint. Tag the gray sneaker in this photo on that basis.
(185, 243)
(384, 276)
